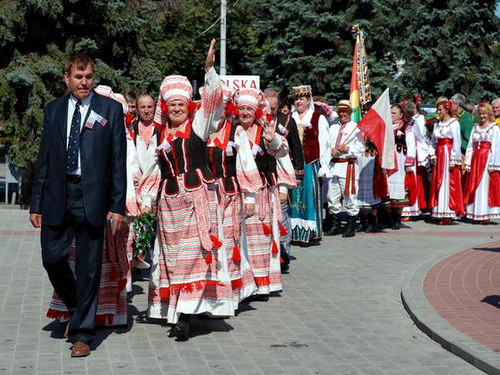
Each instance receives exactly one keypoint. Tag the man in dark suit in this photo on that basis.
(287, 127)
(79, 187)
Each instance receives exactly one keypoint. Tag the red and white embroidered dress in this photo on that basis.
(143, 178)
(482, 186)
(231, 160)
(262, 229)
(445, 198)
(187, 274)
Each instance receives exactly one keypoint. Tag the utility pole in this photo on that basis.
(223, 10)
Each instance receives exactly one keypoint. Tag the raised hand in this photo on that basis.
(269, 132)
(210, 60)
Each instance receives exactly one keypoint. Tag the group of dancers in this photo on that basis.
(233, 181)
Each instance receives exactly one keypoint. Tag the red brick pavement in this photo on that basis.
(465, 290)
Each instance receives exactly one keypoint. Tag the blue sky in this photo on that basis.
(497, 12)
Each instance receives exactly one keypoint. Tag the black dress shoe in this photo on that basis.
(181, 331)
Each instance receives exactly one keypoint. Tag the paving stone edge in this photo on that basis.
(438, 329)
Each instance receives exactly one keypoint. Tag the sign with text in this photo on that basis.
(241, 82)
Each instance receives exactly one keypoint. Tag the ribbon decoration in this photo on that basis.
(93, 118)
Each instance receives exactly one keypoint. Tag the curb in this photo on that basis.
(438, 329)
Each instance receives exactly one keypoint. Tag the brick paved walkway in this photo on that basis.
(465, 290)
(340, 313)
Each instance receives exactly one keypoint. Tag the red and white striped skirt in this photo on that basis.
(185, 275)
(261, 239)
(112, 303)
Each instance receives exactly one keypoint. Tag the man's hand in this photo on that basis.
(342, 148)
(269, 131)
(114, 220)
(145, 209)
(249, 209)
(408, 169)
(36, 220)
(210, 60)
(335, 153)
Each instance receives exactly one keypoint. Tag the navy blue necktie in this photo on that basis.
(74, 140)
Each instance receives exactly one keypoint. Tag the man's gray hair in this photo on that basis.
(459, 99)
(495, 101)
(271, 92)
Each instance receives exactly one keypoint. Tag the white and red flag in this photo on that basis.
(377, 125)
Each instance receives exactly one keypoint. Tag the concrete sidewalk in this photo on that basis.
(340, 313)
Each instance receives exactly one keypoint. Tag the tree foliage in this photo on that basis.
(425, 46)
(446, 46)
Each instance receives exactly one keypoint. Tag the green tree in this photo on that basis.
(447, 48)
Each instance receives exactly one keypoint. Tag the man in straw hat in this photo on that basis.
(345, 145)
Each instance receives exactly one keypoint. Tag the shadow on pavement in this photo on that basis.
(493, 300)
(492, 249)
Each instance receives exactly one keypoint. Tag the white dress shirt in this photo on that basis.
(84, 107)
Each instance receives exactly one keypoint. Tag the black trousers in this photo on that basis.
(80, 291)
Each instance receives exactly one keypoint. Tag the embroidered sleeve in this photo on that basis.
(494, 164)
(331, 116)
(286, 173)
(247, 173)
(133, 176)
(149, 184)
(325, 146)
(278, 147)
(207, 117)
(456, 154)
(411, 149)
(469, 150)
(432, 143)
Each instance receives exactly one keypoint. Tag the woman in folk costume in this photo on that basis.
(372, 188)
(231, 161)
(143, 173)
(262, 208)
(306, 199)
(402, 181)
(423, 162)
(445, 198)
(186, 277)
(112, 307)
(482, 162)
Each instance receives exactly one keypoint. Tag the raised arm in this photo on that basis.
(212, 103)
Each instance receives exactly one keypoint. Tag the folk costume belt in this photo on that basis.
(350, 184)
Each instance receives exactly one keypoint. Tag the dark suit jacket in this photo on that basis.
(103, 163)
(294, 144)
